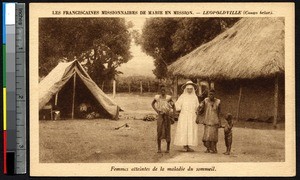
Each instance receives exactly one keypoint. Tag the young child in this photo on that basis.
(228, 133)
(163, 104)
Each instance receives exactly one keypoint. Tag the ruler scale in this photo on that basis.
(20, 79)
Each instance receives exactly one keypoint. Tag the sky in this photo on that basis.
(141, 63)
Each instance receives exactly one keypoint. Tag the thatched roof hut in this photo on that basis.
(251, 52)
(252, 48)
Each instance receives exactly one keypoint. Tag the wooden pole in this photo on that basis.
(199, 87)
(102, 86)
(208, 84)
(212, 85)
(275, 102)
(175, 84)
(239, 103)
(56, 97)
(129, 88)
(114, 88)
(73, 100)
(141, 87)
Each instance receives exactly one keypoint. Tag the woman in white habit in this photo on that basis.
(187, 128)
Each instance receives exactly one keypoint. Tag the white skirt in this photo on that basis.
(187, 130)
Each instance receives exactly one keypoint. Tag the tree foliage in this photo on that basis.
(149, 84)
(136, 37)
(167, 39)
(102, 44)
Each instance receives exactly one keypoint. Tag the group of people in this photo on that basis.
(187, 127)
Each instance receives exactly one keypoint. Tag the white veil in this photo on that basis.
(193, 92)
(185, 96)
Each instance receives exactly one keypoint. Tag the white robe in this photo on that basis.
(187, 128)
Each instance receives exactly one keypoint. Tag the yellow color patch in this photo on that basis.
(4, 109)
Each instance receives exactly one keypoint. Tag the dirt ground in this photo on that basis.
(96, 140)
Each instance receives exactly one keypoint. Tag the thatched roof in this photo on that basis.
(252, 48)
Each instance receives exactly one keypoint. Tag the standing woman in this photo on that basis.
(212, 121)
(163, 105)
(187, 129)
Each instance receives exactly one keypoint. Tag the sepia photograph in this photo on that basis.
(138, 94)
(161, 89)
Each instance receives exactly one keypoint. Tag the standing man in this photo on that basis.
(187, 129)
(212, 121)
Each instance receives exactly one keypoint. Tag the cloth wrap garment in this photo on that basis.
(187, 129)
(211, 119)
(163, 120)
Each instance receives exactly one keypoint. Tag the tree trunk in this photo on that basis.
(114, 88)
(175, 86)
(141, 87)
(148, 86)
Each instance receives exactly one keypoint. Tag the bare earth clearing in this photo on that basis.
(89, 141)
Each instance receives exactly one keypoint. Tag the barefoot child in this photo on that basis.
(163, 104)
(228, 133)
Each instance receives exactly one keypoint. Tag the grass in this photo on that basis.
(88, 141)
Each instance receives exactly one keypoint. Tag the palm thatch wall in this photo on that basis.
(252, 48)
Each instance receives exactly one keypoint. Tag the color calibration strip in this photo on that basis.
(14, 111)
(9, 87)
(4, 87)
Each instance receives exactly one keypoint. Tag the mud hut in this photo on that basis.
(246, 64)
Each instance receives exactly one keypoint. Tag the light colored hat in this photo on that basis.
(189, 83)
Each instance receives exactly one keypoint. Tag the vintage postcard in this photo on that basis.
(162, 89)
